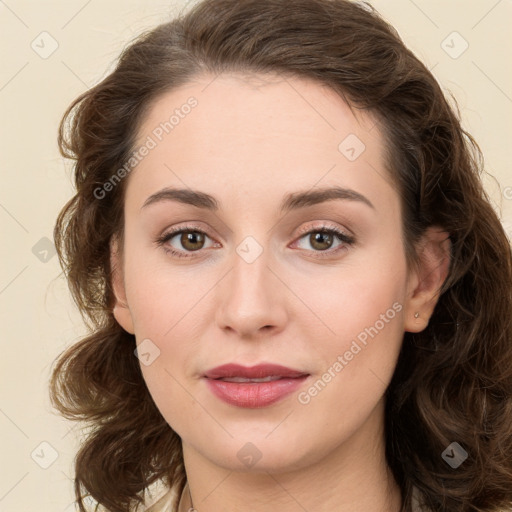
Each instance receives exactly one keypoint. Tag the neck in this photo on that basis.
(353, 476)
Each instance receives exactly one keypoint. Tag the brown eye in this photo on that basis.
(321, 240)
(325, 241)
(192, 240)
(183, 242)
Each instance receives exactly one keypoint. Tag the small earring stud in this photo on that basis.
(416, 315)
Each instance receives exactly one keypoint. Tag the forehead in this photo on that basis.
(256, 134)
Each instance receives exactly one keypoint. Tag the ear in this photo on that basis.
(425, 281)
(121, 310)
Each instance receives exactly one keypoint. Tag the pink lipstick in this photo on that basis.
(255, 386)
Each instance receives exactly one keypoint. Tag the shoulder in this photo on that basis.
(163, 502)
(416, 505)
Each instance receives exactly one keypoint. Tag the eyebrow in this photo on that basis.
(292, 201)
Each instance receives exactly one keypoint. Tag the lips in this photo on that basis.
(253, 387)
(253, 373)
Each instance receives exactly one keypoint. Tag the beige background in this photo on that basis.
(38, 318)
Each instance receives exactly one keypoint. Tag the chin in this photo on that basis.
(263, 453)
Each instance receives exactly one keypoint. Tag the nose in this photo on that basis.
(251, 299)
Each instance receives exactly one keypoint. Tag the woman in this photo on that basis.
(299, 294)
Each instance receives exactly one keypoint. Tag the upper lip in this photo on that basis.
(252, 372)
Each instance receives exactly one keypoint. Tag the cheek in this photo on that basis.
(164, 319)
(171, 395)
(361, 309)
(365, 292)
(161, 296)
(357, 364)
(363, 342)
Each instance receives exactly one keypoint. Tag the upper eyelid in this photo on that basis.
(326, 225)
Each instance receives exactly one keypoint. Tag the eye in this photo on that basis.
(322, 238)
(190, 239)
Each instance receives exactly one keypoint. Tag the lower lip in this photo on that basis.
(254, 394)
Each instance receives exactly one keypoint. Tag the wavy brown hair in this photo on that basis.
(453, 380)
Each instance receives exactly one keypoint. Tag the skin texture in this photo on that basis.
(249, 142)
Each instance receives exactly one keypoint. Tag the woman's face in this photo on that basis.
(250, 277)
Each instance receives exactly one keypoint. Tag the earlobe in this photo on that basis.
(121, 311)
(426, 281)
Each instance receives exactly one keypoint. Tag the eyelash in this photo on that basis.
(342, 236)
